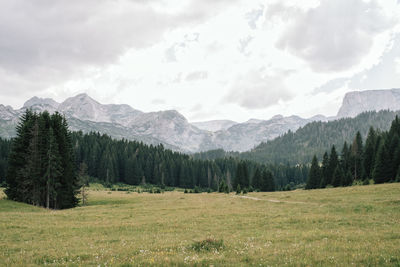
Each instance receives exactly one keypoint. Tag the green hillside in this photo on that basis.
(318, 137)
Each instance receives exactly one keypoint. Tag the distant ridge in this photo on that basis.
(174, 131)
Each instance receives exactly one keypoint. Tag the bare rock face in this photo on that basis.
(355, 103)
(214, 125)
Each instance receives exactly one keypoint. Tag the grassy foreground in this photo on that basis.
(357, 226)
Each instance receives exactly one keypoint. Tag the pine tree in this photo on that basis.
(314, 177)
(357, 155)
(268, 181)
(257, 179)
(337, 177)
(84, 182)
(369, 154)
(333, 163)
(53, 171)
(382, 168)
(347, 178)
(325, 171)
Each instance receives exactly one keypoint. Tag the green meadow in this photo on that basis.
(358, 226)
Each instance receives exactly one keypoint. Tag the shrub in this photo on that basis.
(238, 189)
(209, 244)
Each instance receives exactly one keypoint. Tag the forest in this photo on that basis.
(313, 139)
(111, 161)
(378, 160)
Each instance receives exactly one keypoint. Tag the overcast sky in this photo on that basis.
(208, 59)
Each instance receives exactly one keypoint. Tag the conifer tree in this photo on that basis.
(325, 171)
(337, 177)
(357, 155)
(333, 163)
(369, 154)
(382, 168)
(314, 177)
(268, 183)
(257, 179)
(347, 178)
(53, 171)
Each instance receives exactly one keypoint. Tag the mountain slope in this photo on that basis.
(318, 137)
(355, 103)
(214, 125)
(167, 127)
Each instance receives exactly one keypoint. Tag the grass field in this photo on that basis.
(357, 226)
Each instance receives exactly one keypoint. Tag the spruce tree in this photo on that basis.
(333, 163)
(53, 171)
(382, 167)
(338, 176)
(257, 179)
(325, 171)
(314, 177)
(357, 155)
(369, 153)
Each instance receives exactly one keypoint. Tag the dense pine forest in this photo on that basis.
(111, 161)
(121, 161)
(378, 160)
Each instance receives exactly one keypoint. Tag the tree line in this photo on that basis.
(122, 161)
(378, 160)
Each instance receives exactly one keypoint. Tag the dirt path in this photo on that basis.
(273, 200)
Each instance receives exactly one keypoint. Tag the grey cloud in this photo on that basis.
(243, 43)
(195, 76)
(158, 101)
(253, 16)
(55, 40)
(255, 91)
(196, 108)
(382, 75)
(331, 85)
(335, 35)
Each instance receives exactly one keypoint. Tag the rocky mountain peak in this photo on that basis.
(40, 101)
(357, 102)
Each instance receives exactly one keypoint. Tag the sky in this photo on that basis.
(208, 59)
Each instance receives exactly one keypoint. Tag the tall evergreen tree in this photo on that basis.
(325, 171)
(338, 176)
(333, 163)
(369, 154)
(257, 179)
(314, 177)
(357, 155)
(381, 173)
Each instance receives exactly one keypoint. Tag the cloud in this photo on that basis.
(335, 35)
(257, 91)
(195, 76)
(56, 41)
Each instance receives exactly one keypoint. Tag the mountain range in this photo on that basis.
(174, 131)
